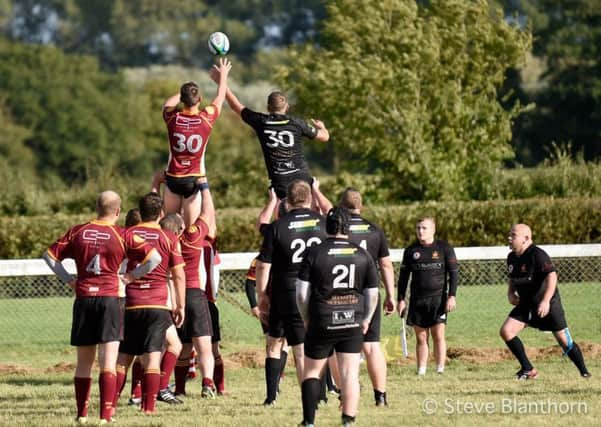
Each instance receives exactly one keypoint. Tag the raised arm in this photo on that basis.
(323, 135)
(323, 203)
(171, 102)
(221, 72)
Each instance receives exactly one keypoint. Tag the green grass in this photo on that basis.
(35, 340)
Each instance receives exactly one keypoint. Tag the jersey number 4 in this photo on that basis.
(94, 265)
(285, 138)
(193, 143)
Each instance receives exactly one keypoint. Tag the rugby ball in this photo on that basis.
(219, 44)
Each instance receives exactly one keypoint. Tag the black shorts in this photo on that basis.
(214, 311)
(373, 332)
(197, 321)
(97, 320)
(527, 313)
(186, 186)
(427, 312)
(286, 323)
(281, 182)
(145, 330)
(320, 344)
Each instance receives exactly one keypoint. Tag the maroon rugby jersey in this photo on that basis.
(192, 241)
(188, 138)
(151, 291)
(98, 249)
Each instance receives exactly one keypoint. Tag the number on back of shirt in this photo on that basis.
(285, 138)
(193, 143)
(345, 276)
(299, 246)
(94, 265)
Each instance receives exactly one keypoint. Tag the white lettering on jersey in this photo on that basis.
(95, 235)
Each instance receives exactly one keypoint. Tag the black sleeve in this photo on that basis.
(452, 268)
(383, 249)
(403, 276)
(266, 253)
(251, 294)
(306, 129)
(542, 263)
(251, 117)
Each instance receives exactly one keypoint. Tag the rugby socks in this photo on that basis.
(310, 395)
(272, 376)
(150, 388)
(380, 397)
(219, 375)
(517, 348)
(576, 357)
(283, 360)
(137, 372)
(121, 376)
(421, 370)
(168, 363)
(440, 369)
(181, 375)
(83, 386)
(107, 382)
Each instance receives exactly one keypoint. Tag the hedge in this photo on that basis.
(554, 221)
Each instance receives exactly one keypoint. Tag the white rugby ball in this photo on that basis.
(219, 44)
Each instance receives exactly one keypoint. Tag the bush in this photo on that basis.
(554, 221)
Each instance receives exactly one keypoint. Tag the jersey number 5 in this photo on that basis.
(285, 138)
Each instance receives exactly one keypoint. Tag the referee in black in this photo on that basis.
(533, 291)
(337, 294)
(433, 268)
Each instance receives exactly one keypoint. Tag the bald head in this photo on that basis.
(108, 205)
(520, 238)
(351, 199)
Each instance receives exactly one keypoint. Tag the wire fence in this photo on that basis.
(36, 307)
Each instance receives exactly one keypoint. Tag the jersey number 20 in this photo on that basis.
(300, 246)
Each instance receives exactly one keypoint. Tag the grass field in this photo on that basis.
(477, 389)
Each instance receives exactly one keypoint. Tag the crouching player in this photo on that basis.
(337, 295)
(533, 291)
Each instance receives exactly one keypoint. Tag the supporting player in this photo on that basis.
(147, 312)
(434, 272)
(337, 294)
(284, 245)
(188, 132)
(533, 291)
(98, 248)
(371, 238)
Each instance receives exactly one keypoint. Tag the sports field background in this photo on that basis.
(36, 362)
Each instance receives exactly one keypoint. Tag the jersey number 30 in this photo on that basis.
(285, 138)
(193, 143)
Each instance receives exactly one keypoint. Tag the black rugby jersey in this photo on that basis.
(281, 141)
(369, 236)
(338, 271)
(285, 242)
(527, 273)
(428, 266)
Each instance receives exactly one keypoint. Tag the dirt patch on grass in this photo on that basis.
(11, 369)
(61, 367)
(252, 358)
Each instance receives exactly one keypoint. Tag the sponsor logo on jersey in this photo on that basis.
(277, 122)
(510, 268)
(416, 255)
(308, 224)
(94, 235)
(426, 266)
(343, 317)
(187, 122)
(147, 235)
(359, 228)
(523, 268)
(342, 251)
(435, 255)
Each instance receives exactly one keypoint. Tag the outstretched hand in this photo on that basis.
(221, 69)
(318, 124)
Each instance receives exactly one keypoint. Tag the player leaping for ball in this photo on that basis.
(188, 130)
(280, 135)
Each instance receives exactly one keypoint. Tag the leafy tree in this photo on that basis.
(411, 90)
(567, 43)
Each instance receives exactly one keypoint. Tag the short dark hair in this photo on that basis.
(276, 101)
(133, 217)
(150, 206)
(189, 94)
(338, 220)
(298, 193)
